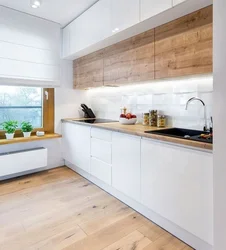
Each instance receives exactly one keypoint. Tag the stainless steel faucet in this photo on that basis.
(205, 128)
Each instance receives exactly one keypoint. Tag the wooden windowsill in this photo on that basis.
(29, 139)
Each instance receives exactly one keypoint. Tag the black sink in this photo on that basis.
(187, 134)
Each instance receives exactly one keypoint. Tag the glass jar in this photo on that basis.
(145, 119)
(161, 121)
(153, 118)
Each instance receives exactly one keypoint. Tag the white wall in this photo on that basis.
(169, 97)
(219, 98)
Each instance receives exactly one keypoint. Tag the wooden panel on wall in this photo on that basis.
(130, 61)
(184, 46)
(88, 71)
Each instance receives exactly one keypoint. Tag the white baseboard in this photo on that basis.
(169, 226)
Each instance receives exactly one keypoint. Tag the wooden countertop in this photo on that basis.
(29, 139)
(139, 130)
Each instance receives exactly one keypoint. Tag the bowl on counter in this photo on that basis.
(126, 121)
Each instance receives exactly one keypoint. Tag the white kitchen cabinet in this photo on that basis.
(82, 142)
(69, 141)
(91, 27)
(175, 2)
(101, 170)
(150, 8)
(102, 134)
(177, 183)
(76, 145)
(124, 14)
(101, 150)
(126, 164)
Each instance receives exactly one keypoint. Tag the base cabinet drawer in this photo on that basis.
(101, 134)
(101, 150)
(101, 170)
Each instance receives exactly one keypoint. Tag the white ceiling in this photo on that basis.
(59, 11)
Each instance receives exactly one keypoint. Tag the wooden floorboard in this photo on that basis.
(58, 209)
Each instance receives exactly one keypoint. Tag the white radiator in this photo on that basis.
(22, 161)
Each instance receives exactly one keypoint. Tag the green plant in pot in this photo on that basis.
(26, 128)
(10, 128)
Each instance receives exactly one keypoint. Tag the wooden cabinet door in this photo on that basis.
(184, 46)
(177, 183)
(150, 8)
(88, 71)
(126, 164)
(130, 61)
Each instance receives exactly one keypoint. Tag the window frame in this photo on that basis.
(48, 115)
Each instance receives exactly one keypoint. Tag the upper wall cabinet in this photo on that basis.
(150, 8)
(130, 61)
(101, 21)
(88, 71)
(29, 49)
(185, 46)
(89, 28)
(124, 14)
(179, 48)
(175, 2)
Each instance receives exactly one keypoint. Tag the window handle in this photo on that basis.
(47, 95)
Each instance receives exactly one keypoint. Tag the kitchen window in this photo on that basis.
(33, 104)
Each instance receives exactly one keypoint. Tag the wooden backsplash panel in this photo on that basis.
(184, 46)
(88, 71)
(130, 61)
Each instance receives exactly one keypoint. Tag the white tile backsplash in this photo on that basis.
(169, 97)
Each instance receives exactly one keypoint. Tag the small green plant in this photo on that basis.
(9, 126)
(26, 127)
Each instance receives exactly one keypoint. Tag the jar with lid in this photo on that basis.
(161, 121)
(153, 118)
(145, 119)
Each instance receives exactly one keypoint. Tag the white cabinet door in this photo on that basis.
(101, 170)
(150, 8)
(76, 145)
(177, 183)
(124, 14)
(82, 147)
(175, 2)
(126, 164)
(101, 150)
(69, 142)
(91, 27)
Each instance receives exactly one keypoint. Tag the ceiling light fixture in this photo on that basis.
(35, 4)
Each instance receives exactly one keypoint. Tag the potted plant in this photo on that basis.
(26, 128)
(10, 128)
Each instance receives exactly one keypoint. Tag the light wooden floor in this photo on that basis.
(59, 209)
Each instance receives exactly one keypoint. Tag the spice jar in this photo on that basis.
(161, 121)
(153, 118)
(145, 119)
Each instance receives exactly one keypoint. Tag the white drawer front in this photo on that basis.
(101, 134)
(101, 150)
(101, 170)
